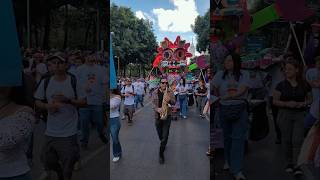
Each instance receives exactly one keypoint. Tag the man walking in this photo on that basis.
(161, 96)
(92, 78)
(128, 92)
(139, 87)
(59, 95)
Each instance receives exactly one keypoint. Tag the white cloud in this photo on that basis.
(140, 15)
(178, 19)
(145, 16)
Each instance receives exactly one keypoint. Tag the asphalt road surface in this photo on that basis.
(185, 152)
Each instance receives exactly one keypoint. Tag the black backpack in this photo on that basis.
(43, 114)
(131, 86)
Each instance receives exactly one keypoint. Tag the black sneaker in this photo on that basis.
(297, 171)
(289, 168)
(161, 160)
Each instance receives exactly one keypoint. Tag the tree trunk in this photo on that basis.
(124, 70)
(47, 28)
(87, 34)
(36, 35)
(66, 27)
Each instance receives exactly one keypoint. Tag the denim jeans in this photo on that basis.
(138, 99)
(115, 126)
(309, 120)
(235, 134)
(91, 113)
(21, 177)
(183, 104)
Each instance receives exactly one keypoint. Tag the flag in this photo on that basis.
(113, 78)
(293, 10)
(264, 17)
(193, 66)
(10, 55)
(201, 62)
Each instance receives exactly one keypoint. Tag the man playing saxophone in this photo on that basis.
(162, 100)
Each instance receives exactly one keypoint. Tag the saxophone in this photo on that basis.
(165, 105)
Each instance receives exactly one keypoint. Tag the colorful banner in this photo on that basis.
(113, 77)
(201, 62)
(193, 66)
(10, 55)
(264, 17)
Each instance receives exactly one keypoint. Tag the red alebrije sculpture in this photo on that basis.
(172, 56)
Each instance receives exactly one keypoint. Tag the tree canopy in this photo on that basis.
(63, 23)
(133, 38)
(202, 29)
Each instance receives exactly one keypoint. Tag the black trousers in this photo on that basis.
(60, 154)
(163, 128)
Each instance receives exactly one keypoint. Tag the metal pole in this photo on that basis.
(118, 66)
(299, 48)
(28, 24)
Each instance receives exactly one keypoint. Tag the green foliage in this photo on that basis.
(202, 29)
(53, 26)
(133, 38)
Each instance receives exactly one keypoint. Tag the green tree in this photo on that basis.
(63, 23)
(133, 38)
(202, 29)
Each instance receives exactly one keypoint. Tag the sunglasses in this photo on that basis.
(164, 82)
(57, 62)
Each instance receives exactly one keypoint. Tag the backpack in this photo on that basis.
(131, 86)
(43, 114)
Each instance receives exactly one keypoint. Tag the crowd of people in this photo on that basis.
(66, 90)
(168, 97)
(292, 93)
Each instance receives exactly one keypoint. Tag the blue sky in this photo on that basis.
(170, 17)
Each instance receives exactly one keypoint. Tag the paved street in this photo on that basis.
(185, 153)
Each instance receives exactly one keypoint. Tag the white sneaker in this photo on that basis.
(184, 117)
(77, 166)
(239, 176)
(115, 159)
(226, 167)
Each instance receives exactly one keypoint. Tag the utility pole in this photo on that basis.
(28, 24)
(98, 27)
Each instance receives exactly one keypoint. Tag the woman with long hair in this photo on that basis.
(231, 86)
(201, 93)
(115, 125)
(16, 126)
(182, 90)
(292, 96)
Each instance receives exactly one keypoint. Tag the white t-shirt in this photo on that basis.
(129, 100)
(64, 122)
(229, 86)
(182, 90)
(256, 80)
(95, 77)
(314, 74)
(114, 107)
(139, 88)
(41, 69)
